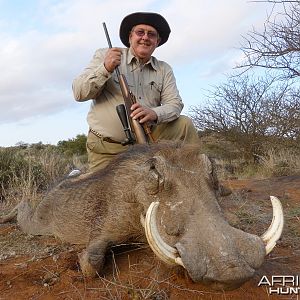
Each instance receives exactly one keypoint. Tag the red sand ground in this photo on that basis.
(44, 268)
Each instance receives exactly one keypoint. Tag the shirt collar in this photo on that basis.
(131, 59)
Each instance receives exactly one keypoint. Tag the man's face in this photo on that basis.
(143, 40)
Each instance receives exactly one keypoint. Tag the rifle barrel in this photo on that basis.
(107, 35)
(110, 46)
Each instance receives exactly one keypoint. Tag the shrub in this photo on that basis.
(73, 146)
(26, 172)
(280, 163)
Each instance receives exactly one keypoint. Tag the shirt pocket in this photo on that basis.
(152, 92)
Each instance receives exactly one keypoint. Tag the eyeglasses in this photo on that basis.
(142, 32)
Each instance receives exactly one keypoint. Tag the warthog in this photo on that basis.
(163, 194)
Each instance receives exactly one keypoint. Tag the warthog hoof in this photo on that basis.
(86, 268)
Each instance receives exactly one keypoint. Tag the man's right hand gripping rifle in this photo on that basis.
(134, 116)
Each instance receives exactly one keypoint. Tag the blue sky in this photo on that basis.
(46, 43)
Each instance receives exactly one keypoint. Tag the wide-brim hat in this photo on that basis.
(153, 19)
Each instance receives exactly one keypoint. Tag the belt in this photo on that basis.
(105, 139)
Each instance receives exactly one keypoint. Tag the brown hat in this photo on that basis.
(153, 19)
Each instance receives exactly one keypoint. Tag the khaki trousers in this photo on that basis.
(101, 152)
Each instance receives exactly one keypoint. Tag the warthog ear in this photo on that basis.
(207, 163)
(209, 166)
(154, 180)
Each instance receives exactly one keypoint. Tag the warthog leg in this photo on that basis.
(91, 259)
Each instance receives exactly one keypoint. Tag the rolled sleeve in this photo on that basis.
(91, 82)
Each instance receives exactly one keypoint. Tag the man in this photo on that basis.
(151, 81)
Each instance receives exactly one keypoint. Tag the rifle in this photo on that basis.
(134, 131)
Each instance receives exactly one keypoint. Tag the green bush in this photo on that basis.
(74, 146)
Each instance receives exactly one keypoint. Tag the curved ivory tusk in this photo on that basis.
(272, 235)
(164, 252)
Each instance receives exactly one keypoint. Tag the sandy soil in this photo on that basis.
(45, 268)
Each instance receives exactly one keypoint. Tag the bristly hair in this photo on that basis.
(136, 153)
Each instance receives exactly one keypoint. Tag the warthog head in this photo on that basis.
(184, 224)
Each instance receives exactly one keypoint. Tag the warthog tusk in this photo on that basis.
(272, 235)
(170, 255)
(164, 252)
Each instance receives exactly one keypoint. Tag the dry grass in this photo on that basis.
(28, 174)
(280, 163)
(274, 163)
(138, 285)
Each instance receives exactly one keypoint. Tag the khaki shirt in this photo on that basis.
(153, 84)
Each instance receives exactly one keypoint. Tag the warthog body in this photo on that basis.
(104, 208)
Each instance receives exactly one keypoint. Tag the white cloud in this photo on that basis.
(204, 29)
(39, 65)
(34, 77)
(39, 60)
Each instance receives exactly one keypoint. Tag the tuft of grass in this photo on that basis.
(280, 163)
(28, 173)
(274, 163)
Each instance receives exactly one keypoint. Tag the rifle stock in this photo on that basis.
(141, 132)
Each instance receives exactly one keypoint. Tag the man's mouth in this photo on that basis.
(144, 44)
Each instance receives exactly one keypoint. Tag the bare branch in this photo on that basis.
(278, 46)
(249, 112)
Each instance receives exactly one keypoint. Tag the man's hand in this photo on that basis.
(142, 113)
(112, 59)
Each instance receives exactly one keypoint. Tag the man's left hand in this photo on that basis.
(142, 113)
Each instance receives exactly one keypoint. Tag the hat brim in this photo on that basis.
(153, 19)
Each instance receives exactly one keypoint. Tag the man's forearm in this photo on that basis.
(168, 112)
(90, 83)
